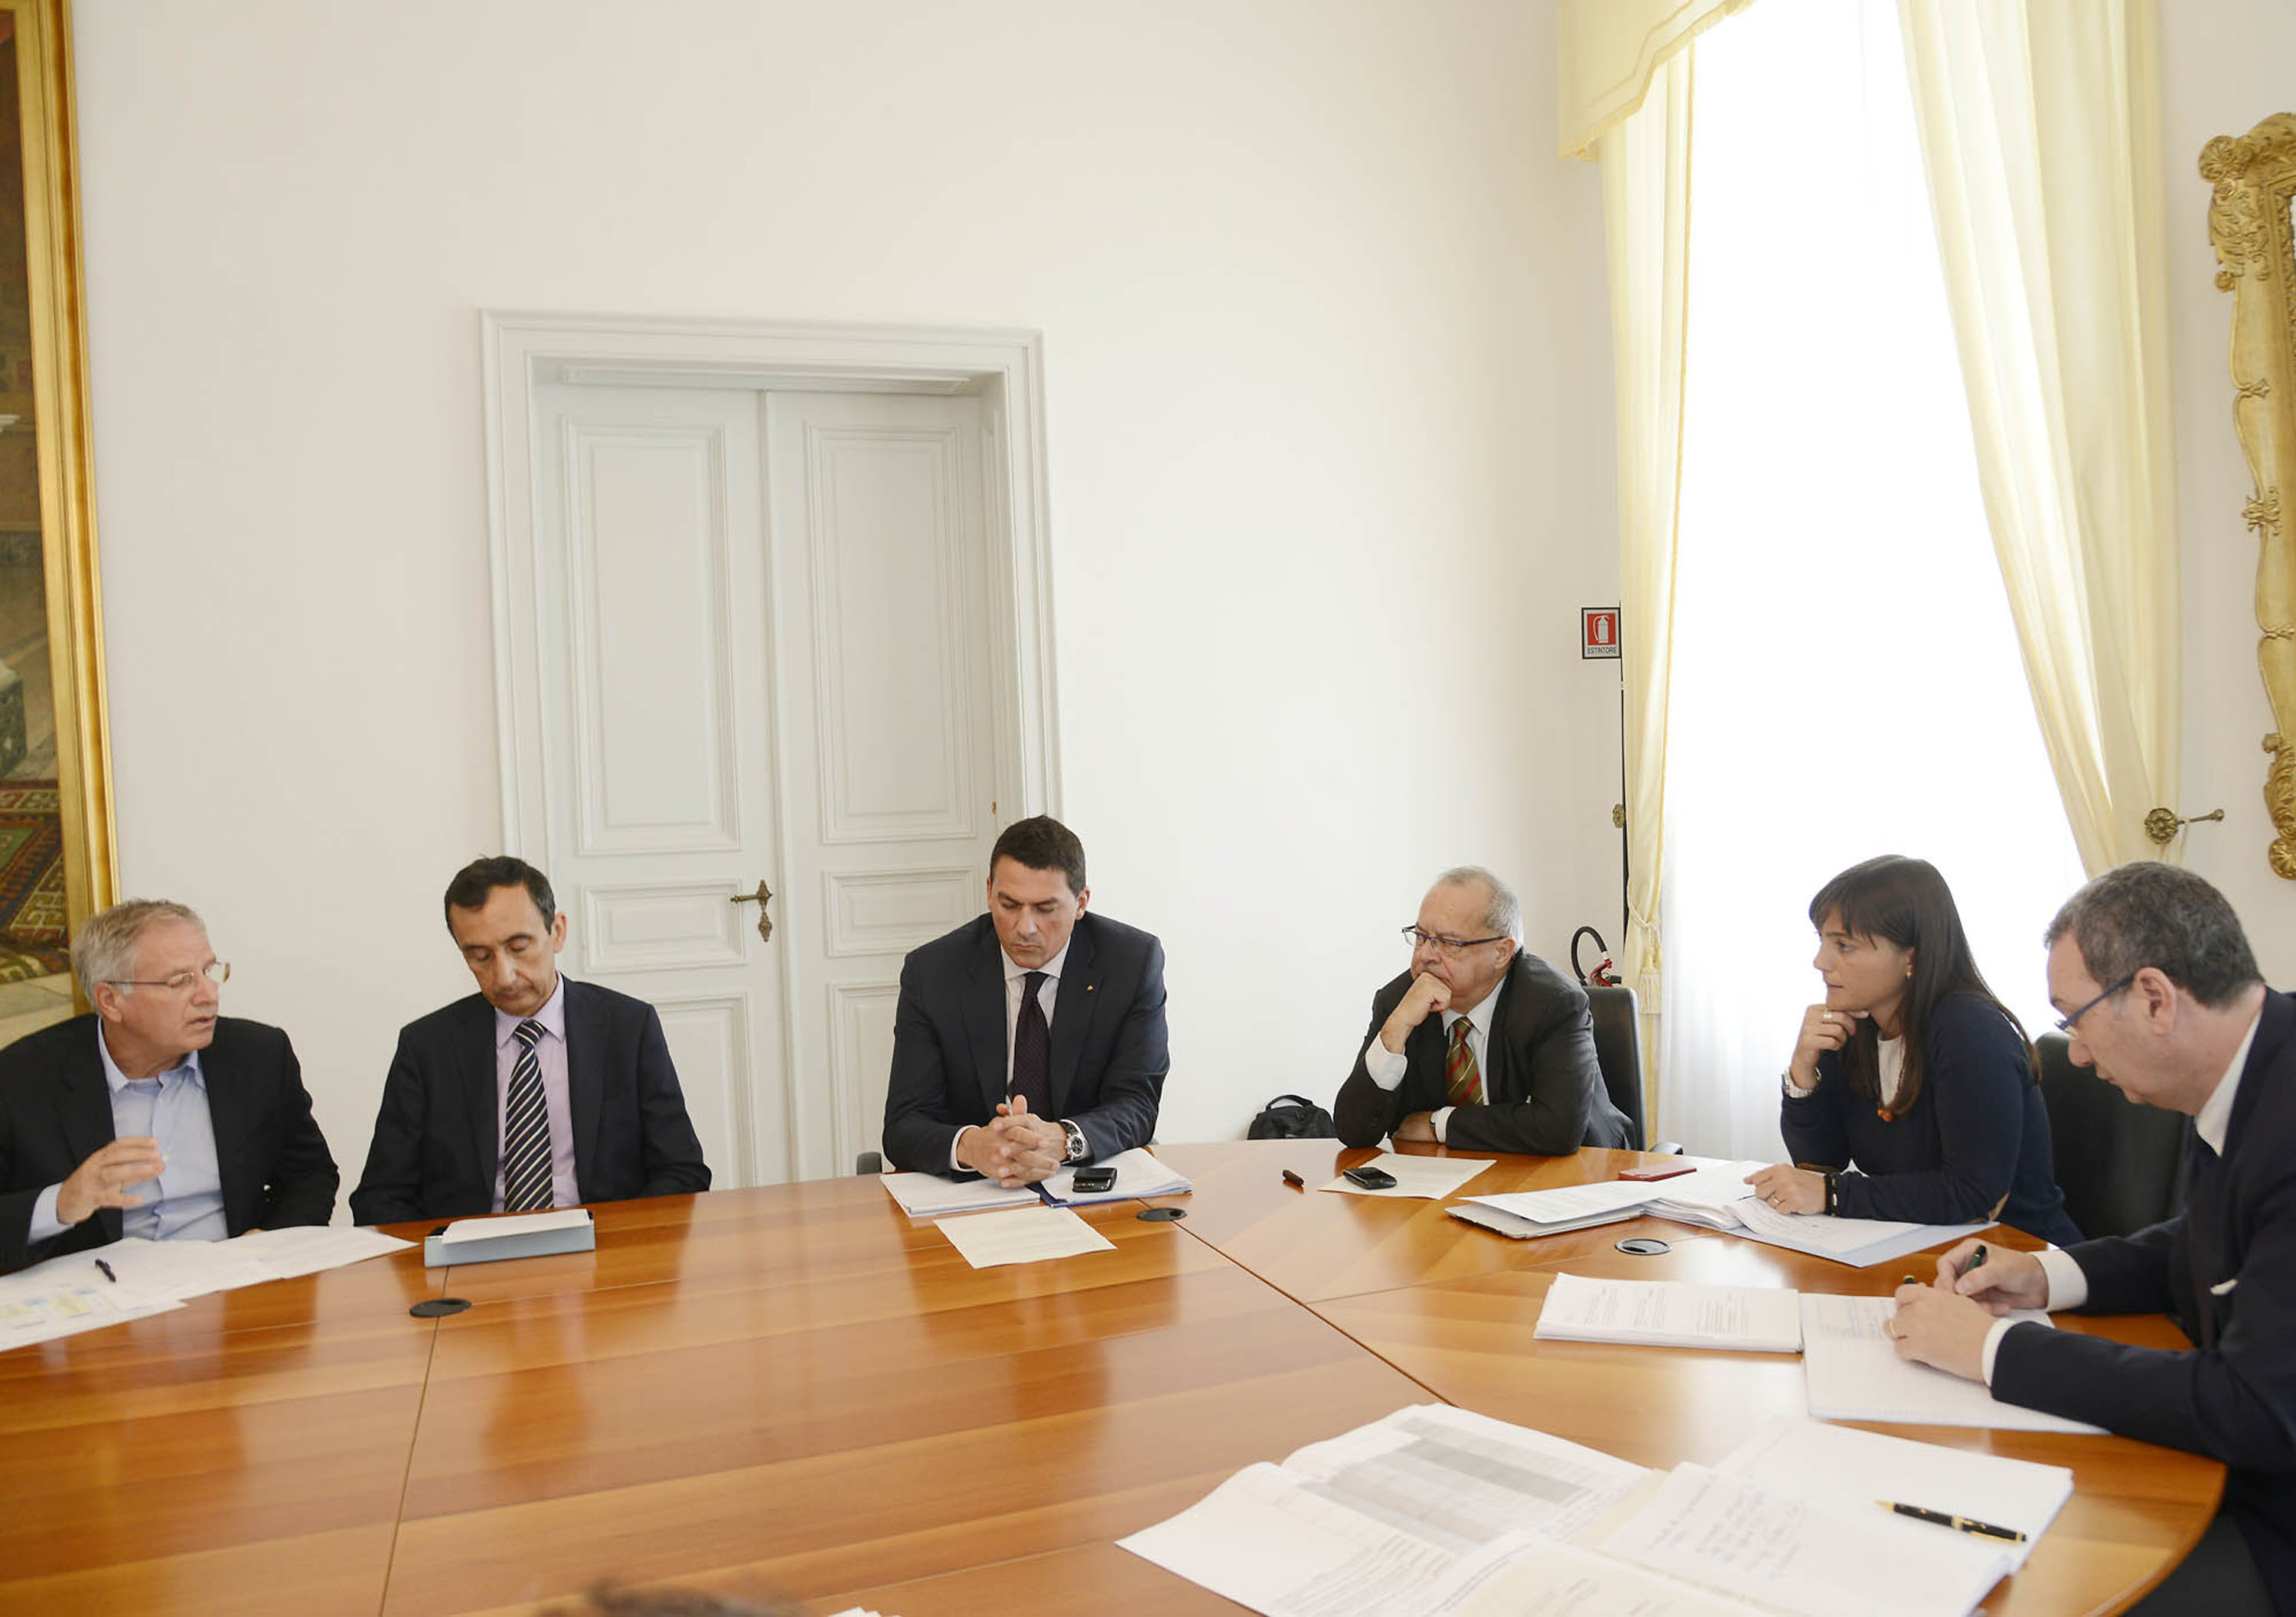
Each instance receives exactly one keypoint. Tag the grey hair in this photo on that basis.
(2151, 914)
(1504, 914)
(104, 950)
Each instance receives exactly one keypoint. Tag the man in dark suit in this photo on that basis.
(156, 1116)
(1031, 1037)
(1480, 1045)
(2161, 996)
(534, 1092)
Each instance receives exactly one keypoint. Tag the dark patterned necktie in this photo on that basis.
(1462, 1079)
(526, 1129)
(1032, 1050)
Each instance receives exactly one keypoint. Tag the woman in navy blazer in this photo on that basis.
(1911, 1092)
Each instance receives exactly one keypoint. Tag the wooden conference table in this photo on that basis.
(796, 1389)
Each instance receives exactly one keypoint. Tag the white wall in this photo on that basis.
(1327, 368)
(2224, 64)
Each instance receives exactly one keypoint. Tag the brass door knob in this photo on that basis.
(761, 897)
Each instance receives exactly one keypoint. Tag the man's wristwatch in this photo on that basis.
(1832, 1192)
(1078, 1149)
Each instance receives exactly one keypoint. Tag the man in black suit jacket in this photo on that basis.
(989, 1077)
(231, 1145)
(577, 1078)
(2162, 998)
(1480, 1045)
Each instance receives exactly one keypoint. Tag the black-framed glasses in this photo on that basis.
(1449, 946)
(2065, 1024)
(218, 972)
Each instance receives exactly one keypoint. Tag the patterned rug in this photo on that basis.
(33, 923)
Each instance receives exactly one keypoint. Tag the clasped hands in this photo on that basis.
(1946, 1322)
(1015, 1147)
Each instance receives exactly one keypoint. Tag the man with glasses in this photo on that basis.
(536, 1092)
(1480, 1045)
(2163, 999)
(155, 1116)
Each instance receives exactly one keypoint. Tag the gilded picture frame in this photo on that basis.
(44, 373)
(2253, 178)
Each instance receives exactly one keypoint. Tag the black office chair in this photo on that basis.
(1618, 1052)
(2121, 1166)
(869, 1162)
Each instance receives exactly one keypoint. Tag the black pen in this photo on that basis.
(1967, 1524)
(107, 1275)
(1293, 1179)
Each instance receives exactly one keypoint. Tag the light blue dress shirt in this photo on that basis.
(185, 1202)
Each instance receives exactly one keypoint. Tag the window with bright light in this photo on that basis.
(1846, 678)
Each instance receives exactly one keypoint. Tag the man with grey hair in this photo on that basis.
(155, 1116)
(1480, 1045)
(2161, 995)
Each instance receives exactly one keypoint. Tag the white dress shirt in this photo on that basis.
(2067, 1286)
(1386, 1067)
(1016, 984)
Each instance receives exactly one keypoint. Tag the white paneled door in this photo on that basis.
(767, 649)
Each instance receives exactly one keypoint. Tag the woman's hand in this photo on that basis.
(1822, 1029)
(1790, 1189)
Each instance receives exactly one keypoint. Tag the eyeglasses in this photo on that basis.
(218, 972)
(2065, 1024)
(1449, 946)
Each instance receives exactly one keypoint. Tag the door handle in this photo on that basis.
(761, 897)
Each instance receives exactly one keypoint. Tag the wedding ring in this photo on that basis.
(1827, 1018)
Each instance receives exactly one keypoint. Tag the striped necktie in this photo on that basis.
(526, 1129)
(1463, 1080)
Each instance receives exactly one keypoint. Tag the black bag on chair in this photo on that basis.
(1292, 1117)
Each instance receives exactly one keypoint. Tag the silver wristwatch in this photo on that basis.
(1078, 1149)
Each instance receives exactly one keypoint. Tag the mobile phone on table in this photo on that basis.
(1370, 1177)
(1093, 1181)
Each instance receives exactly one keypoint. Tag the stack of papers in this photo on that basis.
(1137, 1174)
(1523, 1214)
(928, 1195)
(1672, 1314)
(1434, 1510)
(1716, 1196)
(1854, 1374)
(1426, 1178)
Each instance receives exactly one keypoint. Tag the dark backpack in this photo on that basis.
(1292, 1117)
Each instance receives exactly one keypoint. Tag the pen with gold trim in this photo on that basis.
(1968, 1525)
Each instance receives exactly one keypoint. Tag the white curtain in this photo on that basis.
(1646, 211)
(1845, 678)
(1608, 54)
(2039, 126)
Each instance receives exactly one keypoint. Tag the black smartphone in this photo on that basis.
(1093, 1181)
(1370, 1177)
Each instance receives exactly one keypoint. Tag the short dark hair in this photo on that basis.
(1041, 842)
(2150, 914)
(476, 882)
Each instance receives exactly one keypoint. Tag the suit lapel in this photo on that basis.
(474, 1065)
(586, 1074)
(1072, 1009)
(984, 1017)
(84, 1112)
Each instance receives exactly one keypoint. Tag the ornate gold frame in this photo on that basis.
(2254, 177)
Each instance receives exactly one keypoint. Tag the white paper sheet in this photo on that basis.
(928, 1196)
(1024, 1235)
(169, 1271)
(1671, 1313)
(517, 1224)
(1426, 1178)
(1572, 1201)
(1559, 1580)
(1811, 1460)
(1853, 1373)
(1138, 1174)
(65, 1296)
(1406, 1517)
(309, 1248)
(1860, 1243)
(1788, 1553)
(1473, 1211)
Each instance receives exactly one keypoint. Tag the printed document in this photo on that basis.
(517, 1224)
(1854, 1374)
(1427, 1179)
(64, 1296)
(1138, 1174)
(1671, 1313)
(928, 1196)
(1022, 1234)
(1860, 1243)
(1810, 1460)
